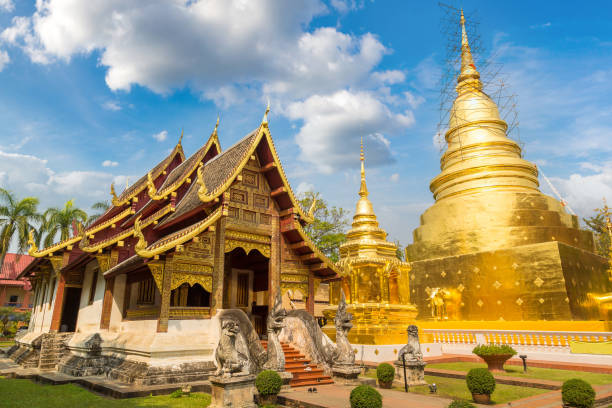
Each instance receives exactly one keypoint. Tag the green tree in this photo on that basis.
(597, 224)
(101, 207)
(60, 221)
(329, 226)
(17, 218)
(399, 252)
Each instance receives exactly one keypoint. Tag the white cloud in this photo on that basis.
(539, 26)
(28, 175)
(333, 125)
(4, 59)
(109, 163)
(111, 106)
(583, 191)
(439, 142)
(7, 5)
(304, 187)
(394, 177)
(161, 136)
(389, 77)
(344, 6)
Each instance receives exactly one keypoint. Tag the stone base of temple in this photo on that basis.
(233, 392)
(26, 351)
(346, 375)
(374, 323)
(415, 373)
(546, 281)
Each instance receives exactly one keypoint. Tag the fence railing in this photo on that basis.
(524, 338)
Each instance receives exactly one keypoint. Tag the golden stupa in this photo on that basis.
(375, 282)
(492, 246)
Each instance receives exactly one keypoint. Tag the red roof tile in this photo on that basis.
(13, 265)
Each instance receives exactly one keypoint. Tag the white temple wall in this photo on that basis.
(89, 314)
(118, 300)
(42, 312)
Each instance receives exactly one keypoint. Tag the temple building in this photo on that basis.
(145, 282)
(374, 280)
(15, 292)
(492, 246)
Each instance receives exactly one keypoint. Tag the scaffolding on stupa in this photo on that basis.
(493, 79)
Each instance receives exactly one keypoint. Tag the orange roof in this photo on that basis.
(13, 265)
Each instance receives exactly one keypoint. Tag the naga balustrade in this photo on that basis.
(526, 339)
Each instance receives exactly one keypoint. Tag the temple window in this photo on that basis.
(190, 296)
(146, 292)
(92, 287)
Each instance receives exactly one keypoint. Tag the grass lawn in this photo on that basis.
(25, 393)
(456, 388)
(533, 372)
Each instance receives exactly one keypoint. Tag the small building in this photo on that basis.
(194, 236)
(14, 291)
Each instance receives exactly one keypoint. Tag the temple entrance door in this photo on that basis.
(245, 285)
(70, 310)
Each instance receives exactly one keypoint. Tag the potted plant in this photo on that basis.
(385, 373)
(577, 393)
(481, 384)
(364, 396)
(268, 384)
(495, 355)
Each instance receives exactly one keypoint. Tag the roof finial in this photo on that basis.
(264, 121)
(468, 73)
(180, 138)
(217, 124)
(363, 190)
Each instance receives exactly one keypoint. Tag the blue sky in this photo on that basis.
(98, 91)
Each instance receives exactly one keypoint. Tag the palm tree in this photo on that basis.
(16, 221)
(61, 220)
(101, 207)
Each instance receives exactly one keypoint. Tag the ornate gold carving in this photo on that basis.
(178, 313)
(538, 282)
(157, 271)
(239, 196)
(56, 263)
(178, 278)
(250, 178)
(260, 200)
(249, 216)
(265, 219)
(231, 244)
(103, 262)
(233, 212)
(114, 198)
(142, 243)
(33, 248)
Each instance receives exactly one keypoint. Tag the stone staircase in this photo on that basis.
(52, 348)
(304, 373)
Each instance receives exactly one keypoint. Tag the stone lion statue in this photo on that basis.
(412, 350)
(276, 322)
(230, 361)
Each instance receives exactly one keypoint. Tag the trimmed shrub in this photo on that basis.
(480, 381)
(578, 393)
(176, 394)
(461, 404)
(268, 382)
(385, 372)
(364, 396)
(493, 349)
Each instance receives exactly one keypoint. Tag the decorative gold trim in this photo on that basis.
(231, 244)
(181, 236)
(205, 280)
(157, 271)
(33, 251)
(110, 222)
(128, 232)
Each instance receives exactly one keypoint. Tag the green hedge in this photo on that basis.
(480, 381)
(493, 349)
(268, 382)
(461, 404)
(385, 372)
(364, 396)
(578, 393)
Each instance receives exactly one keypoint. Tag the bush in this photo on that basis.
(480, 381)
(461, 404)
(578, 393)
(364, 396)
(385, 372)
(268, 382)
(493, 349)
(176, 394)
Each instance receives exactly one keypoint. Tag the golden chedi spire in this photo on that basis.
(492, 245)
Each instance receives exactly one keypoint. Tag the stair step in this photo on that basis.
(311, 382)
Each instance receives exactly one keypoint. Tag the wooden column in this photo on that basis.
(105, 262)
(274, 262)
(216, 298)
(311, 294)
(107, 303)
(164, 310)
(58, 263)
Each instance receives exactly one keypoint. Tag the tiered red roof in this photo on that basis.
(13, 265)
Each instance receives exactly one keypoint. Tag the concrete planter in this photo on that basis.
(481, 398)
(495, 362)
(267, 399)
(385, 384)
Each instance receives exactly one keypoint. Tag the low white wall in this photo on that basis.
(388, 352)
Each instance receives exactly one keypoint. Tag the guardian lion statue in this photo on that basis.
(412, 350)
(344, 351)
(230, 362)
